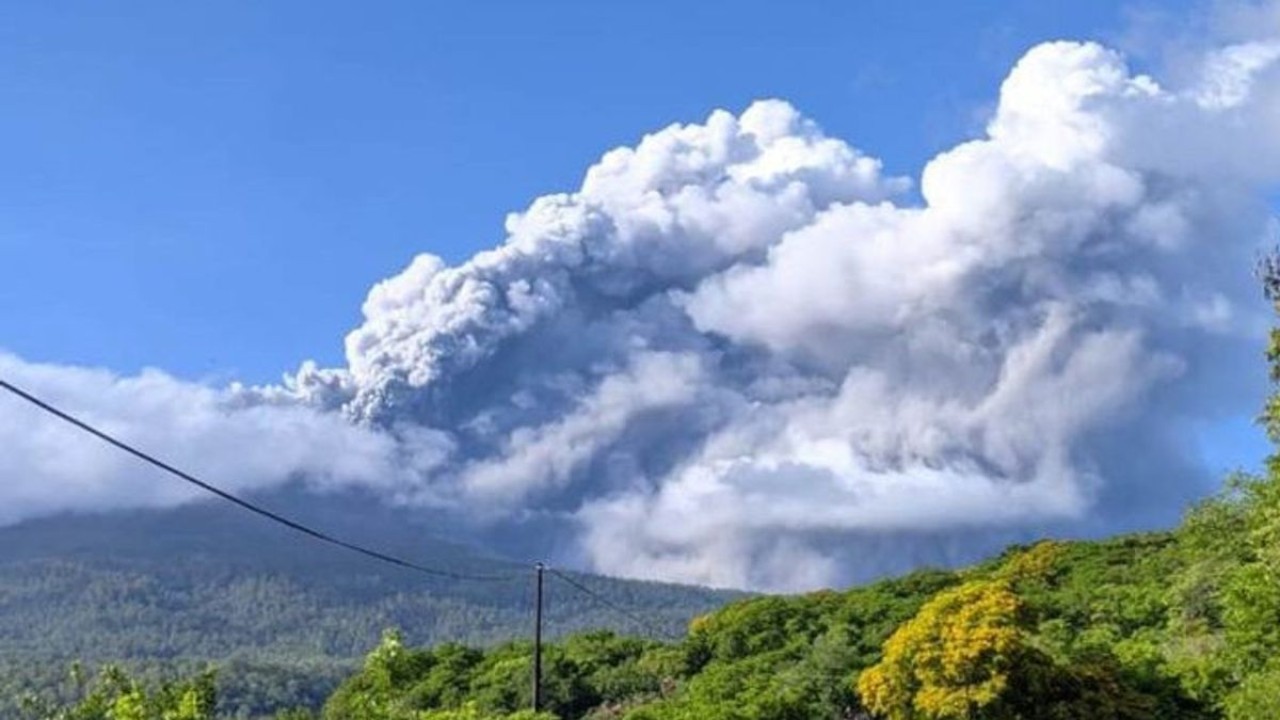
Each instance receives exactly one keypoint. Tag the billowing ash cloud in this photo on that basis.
(739, 354)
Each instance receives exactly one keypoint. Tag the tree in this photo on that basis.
(954, 659)
(1257, 697)
(114, 695)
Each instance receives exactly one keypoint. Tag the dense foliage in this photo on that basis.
(243, 689)
(115, 695)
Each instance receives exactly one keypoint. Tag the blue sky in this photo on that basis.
(212, 190)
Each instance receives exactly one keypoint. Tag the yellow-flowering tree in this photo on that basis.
(953, 660)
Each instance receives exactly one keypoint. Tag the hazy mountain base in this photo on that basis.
(168, 592)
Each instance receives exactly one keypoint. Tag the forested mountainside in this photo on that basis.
(1165, 626)
(284, 617)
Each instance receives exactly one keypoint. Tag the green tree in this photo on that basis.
(1257, 697)
(115, 695)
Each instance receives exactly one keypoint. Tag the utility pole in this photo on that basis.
(537, 638)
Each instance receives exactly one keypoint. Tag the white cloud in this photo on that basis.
(49, 466)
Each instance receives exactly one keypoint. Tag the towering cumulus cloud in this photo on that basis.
(739, 354)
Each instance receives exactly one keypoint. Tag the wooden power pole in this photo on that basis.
(537, 638)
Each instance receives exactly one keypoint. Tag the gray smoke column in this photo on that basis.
(741, 355)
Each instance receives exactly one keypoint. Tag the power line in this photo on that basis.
(641, 622)
(245, 504)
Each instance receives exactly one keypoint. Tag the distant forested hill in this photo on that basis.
(285, 616)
